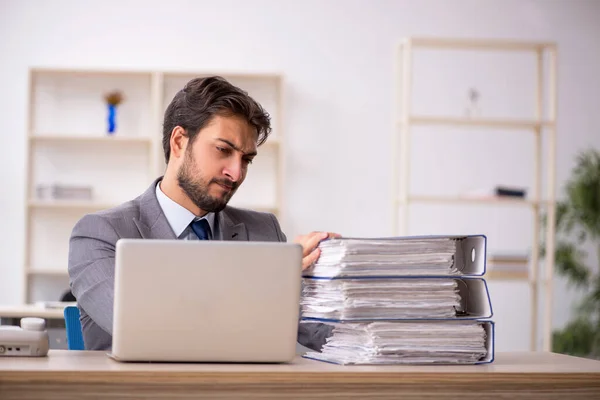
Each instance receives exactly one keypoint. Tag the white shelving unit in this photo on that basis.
(67, 144)
(542, 123)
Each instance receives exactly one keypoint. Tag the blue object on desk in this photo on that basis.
(73, 325)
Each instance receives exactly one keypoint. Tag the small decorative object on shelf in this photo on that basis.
(113, 99)
(497, 191)
(64, 192)
(473, 109)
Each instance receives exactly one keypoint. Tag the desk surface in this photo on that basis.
(519, 375)
(85, 365)
(31, 310)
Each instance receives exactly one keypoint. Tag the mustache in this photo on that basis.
(225, 182)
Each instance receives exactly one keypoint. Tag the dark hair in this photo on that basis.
(201, 99)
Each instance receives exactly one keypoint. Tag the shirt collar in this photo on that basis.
(178, 216)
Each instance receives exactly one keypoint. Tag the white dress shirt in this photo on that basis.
(180, 217)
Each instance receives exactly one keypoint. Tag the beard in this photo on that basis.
(196, 187)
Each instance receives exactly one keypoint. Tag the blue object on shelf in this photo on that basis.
(112, 115)
(73, 325)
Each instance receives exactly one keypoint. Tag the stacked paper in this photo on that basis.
(401, 300)
(404, 343)
(350, 299)
(387, 256)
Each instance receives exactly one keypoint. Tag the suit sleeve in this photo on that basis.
(92, 266)
(280, 235)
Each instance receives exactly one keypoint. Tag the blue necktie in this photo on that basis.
(201, 229)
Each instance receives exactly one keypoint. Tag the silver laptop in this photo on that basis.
(206, 301)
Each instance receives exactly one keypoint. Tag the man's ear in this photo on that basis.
(179, 141)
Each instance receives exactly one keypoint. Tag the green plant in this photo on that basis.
(578, 224)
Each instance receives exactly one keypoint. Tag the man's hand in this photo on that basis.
(309, 242)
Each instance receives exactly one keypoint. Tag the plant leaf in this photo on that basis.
(583, 193)
(569, 262)
(576, 339)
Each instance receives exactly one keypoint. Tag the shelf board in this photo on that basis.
(272, 210)
(478, 44)
(89, 139)
(70, 205)
(91, 205)
(224, 74)
(271, 142)
(473, 200)
(507, 275)
(508, 260)
(479, 122)
(47, 271)
(109, 73)
(124, 72)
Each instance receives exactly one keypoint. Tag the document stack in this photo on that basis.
(404, 300)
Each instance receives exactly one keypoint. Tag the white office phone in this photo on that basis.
(29, 340)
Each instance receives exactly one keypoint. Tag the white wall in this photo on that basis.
(337, 57)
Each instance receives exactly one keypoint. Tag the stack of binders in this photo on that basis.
(405, 300)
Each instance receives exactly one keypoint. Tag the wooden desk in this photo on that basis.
(31, 310)
(85, 375)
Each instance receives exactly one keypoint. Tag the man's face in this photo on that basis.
(216, 163)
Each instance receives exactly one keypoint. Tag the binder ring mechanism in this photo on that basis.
(466, 258)
(463, 291)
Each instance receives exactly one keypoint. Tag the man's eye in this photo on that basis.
(248, 160)
(222, 149)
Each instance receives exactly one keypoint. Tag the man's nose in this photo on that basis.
(234, 170)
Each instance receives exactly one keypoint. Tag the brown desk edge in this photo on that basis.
(531, 375)
(88, 366)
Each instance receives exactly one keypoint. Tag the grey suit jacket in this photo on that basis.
(92, 258)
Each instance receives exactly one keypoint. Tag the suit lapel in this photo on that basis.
(151, 222)
(230, 229)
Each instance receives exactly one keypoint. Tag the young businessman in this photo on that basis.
(211, 132)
